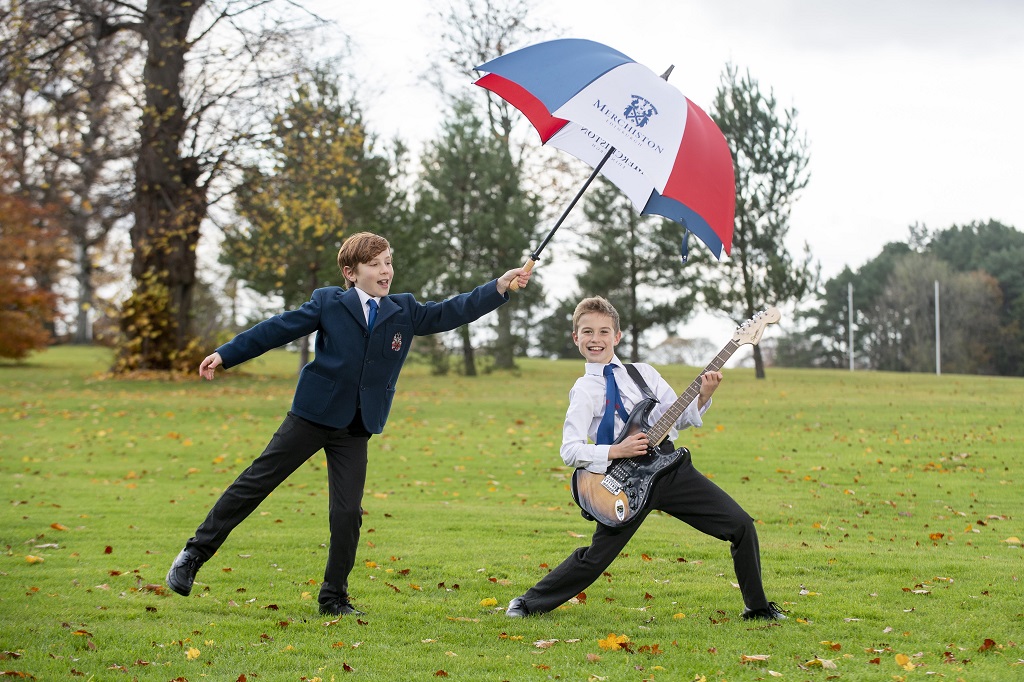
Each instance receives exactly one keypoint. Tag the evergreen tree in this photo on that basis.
(474, 217)
(635, 262)
(770, 159)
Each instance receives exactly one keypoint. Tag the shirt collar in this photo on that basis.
(364, 297)
(597, 368)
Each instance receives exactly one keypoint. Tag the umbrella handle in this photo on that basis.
(528, 266)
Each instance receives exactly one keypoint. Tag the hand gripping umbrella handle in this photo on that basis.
(528, 266)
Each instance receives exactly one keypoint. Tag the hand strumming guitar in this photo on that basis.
(631, 446)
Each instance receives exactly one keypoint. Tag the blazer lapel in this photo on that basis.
(386, 310)
(350, 301)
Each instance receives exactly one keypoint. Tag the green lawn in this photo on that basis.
(889, 508)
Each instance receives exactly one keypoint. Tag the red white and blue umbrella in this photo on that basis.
(627, 122)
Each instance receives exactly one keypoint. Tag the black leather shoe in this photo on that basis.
(771, 612)
(183, 572)
(340, 607)
(517, 608)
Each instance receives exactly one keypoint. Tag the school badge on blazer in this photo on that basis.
(396, 342)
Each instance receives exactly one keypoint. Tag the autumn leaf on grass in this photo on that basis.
(58, 526)
(903, 661)
(545, 643)
(614, 642)
(754, 658)
(987, 644)
(192, 653)
(490, 601)
(652, 649)
(32, 559)
(820, 663)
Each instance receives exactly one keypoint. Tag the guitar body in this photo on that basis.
(616, 497)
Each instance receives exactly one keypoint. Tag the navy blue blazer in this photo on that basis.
(353, 368)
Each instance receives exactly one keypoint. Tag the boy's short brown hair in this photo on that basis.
(361, 247)
(594, 304)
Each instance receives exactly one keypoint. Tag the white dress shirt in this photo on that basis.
(363, 301)
(586, 408)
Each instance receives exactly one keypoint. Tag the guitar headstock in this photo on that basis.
(751, 330)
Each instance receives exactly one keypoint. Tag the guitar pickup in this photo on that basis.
(610, 484)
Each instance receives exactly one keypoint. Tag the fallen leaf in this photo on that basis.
(545, 643)
(490, 601)
(614, 642)
(752, 658)
(192, 653)
(32, 559)
(58, 526)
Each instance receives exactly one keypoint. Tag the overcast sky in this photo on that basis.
(912, 109)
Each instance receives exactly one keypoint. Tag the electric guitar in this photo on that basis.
(616, 497)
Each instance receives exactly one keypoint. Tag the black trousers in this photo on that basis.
(689, 496)
(296, 441)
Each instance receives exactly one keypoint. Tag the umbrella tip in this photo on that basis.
(668, 71)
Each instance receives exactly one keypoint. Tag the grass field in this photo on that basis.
(889, 510)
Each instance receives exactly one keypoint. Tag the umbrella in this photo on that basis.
(630, 125)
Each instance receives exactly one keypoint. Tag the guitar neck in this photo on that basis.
(660, 428)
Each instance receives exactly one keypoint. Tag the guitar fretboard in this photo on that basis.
(660, 428)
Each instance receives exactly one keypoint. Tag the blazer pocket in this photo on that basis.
(313, 394)
(397, 338)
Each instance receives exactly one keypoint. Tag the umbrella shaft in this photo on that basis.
(597, 169)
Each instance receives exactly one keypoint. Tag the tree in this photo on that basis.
(323, 180)
(28, 241)
(476, 31)
(635, 262)
(770, 158)
(63, 127)
(471, 209)
(903, 319)
(998, 250)
(208, 67)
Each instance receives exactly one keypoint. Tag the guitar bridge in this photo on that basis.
(611, 485)
(617, 475)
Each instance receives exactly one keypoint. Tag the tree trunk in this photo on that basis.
(86, 294)
(505, 345)
(758, 363)
(468, 357)
(169, 202)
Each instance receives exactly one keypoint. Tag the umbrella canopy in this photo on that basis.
(641, 133)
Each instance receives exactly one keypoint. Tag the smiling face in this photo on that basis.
(374, 276)
(596, 337)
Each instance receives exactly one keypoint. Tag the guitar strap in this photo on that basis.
(638, 379)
